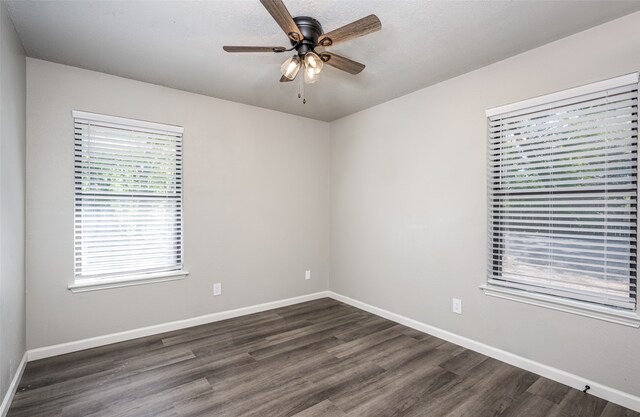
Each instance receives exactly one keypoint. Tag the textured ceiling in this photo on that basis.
(179, 43)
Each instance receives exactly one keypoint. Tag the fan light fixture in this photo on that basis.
(290, 67)
(312, 64)
(310, 77)
(305, 34)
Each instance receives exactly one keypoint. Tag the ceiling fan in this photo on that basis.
(306, 34)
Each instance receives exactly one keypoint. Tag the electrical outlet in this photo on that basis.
(217, 289)
(457, 306)
(307, 274)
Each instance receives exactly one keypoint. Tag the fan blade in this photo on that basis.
(342, 63)
(353, 30)
(281, 15)
(254, 48)
(284, 79)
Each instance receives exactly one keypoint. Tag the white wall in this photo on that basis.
(408, 207)
(256, 205)
(12, 194)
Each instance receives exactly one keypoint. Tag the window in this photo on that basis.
(563, 194)
(128, 200)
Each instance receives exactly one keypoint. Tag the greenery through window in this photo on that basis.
(562, 180)
(128, 198)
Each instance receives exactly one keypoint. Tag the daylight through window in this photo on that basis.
(128, 198)
(562, 195)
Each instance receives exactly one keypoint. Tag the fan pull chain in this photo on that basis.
(301, 90)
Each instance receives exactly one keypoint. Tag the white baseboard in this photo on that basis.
(599, 390)
(8, 397)
(575, 381)
(48, 351)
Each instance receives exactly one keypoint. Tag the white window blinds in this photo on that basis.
(128, 197)
(562, 194)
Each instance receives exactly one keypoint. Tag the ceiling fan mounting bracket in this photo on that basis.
(311, 31)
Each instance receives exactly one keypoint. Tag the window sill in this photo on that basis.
(107, 284)
(630, 319)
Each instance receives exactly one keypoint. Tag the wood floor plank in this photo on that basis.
(494, 393)
(549, 390)
(268, 396)
(136, 405)
(401, 394)
(578, 404)
(614, 410)
(322, 339)
(390, 348)
(349, 348)
(116, 351)
(413, 351)
(342, 376)
(316, 327)
(318, 358)
(242, 340)
(254, 379)
(110, 386)
(400, 378)
(452, 349)
(367, 326)
(227, 329)
(530, 405)
(323, 409)
(462, 363)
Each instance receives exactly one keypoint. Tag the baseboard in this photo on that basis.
(575, 381)
(48, 351)
(599, 390)
(8, 397)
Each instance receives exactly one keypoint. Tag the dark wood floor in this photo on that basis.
(321, 358)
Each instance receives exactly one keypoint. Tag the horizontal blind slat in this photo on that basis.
(584, 116)
(128, 199)
(562, 135)
(565, 106)
(562, 198)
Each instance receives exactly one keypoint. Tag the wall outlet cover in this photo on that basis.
(217, 289)
(307, 274)
(457, 306)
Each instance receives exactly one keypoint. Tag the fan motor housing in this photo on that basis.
(311, 31)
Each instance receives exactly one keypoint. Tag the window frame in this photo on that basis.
(133, 279)
(581, 308)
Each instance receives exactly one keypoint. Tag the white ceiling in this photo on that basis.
(179, 43)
